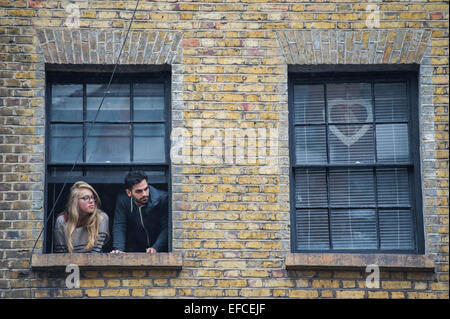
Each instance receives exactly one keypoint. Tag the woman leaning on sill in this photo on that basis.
(83, 227)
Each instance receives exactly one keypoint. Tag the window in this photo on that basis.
(131, 131)
(355, 176)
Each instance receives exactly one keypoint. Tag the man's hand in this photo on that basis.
(116, 252)
(151, 250)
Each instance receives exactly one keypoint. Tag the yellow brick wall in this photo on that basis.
(230, 221)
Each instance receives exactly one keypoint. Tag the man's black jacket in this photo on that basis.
(136, 229)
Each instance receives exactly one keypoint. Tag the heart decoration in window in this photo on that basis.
(347, 111)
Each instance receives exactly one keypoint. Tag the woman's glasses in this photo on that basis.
(88, 198)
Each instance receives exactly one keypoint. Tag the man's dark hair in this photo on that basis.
(134, 177)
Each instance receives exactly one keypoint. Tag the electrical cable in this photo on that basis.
(87, 135)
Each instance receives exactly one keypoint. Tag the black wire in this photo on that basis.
(88, 133)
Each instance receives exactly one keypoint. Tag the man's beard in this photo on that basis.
(140, 202)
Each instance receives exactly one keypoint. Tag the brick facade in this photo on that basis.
(229, 62)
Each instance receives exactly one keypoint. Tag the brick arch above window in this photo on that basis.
(78, 46)
(375, 46)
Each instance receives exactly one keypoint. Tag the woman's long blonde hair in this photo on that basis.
(72, 214)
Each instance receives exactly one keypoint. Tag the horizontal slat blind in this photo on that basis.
(354, 229)
(396, 229)
(309, 104)
(393, 187)
(340, 206)
(311, 187)
(392, 143)
(390, 102)
(351, 144)
(349, 103)
(311, 144)
(352, 187)
(312, 232)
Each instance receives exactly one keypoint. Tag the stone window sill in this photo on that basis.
(334, 261)
(172, 261)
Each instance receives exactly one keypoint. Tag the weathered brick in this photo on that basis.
(161, 292)
(350, 294)
(115, 292)
(92, 292)
(208, 293)
(21, 13)
(303, 293)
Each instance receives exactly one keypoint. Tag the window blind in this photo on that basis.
(311, 188)
(396, 229)
(311, 144)
(392, 143)
(393, 187)
(313, 229)
(351, 144)
(390, 102)
(354, 229)
(351, 187)
(309, 104)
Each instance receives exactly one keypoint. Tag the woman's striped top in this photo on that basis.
(79, 236)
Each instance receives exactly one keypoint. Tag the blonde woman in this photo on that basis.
(82, 227)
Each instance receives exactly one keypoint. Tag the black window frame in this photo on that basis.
(101, 75)
(414, 169)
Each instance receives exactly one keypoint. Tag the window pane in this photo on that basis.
(354, 229)
(349, 103)
(65, 172)
(351, 144)
(312, 229)
(66, 142)
(155, 175)
(108, 143)
(309, 104)
(148, 102)
(67, 102)
(119, 172)
(396, 229)
(390, 102)
(392, 143)
(310, 144)
(116, 105)
(149, 143)
(393, 187)
(311, 187)
(352, 187)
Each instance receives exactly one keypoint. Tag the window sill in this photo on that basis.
(334, 261)
(171, 261)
